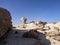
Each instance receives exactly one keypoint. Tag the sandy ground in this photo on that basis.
(16, 39)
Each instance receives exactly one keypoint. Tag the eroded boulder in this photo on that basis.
(31, 34)
(5, 21)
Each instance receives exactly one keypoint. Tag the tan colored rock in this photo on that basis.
(40, 25)
(23, 19)
(56, 38)
(5, 21)
(53, 33)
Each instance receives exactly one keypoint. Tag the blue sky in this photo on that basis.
(44, 10)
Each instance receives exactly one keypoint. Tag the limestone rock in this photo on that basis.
(56, 38)
(40, 25)
(53, 33)
(23, 19)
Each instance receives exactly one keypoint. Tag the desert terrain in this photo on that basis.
(14, 38)
(33, 33)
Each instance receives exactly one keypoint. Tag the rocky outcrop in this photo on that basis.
(54, 32)
(56, 37)
(5, 21)
(40, 25)
(31, 34)
(23, 19)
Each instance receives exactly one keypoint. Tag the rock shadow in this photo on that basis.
(27, 34)
(37, 35)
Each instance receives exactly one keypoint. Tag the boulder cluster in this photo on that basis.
(5, 21)
(38, 25)
(53, 32)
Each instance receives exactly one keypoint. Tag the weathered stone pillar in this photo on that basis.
(23, 19)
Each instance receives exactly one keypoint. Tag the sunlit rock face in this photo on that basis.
(53, 33)
(56, 38)
(57, 25)
(41, 24)
(5, 21)
(51, 26)
(36, 25)
(32, 25)
(53, 30)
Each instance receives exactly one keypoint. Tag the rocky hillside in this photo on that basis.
(49, 29)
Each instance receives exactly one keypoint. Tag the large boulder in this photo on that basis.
(5, 21)
(31, 34)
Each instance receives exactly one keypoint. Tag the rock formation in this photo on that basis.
(55, 32)
(23, 19)
(5, 21)
(31, 34)
(41, 24)
(32, 22)
(56, 38)
(38, 43)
